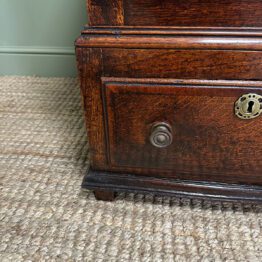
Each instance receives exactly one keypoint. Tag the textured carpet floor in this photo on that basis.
(45, 216)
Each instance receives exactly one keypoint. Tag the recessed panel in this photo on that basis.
(197, 122)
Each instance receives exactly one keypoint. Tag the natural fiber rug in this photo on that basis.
(45, 216)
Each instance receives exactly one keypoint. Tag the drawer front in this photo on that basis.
(183, 129)
(208, 13)
(170, 63)
(230, 13)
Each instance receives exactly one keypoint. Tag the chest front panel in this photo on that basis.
(192, 13)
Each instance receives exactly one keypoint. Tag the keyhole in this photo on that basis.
(250, 107)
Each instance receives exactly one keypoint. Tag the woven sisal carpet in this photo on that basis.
(44, 215)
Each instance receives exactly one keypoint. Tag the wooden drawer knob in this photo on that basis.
(161, 135)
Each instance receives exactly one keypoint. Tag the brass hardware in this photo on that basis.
(248, 106)
(161, 135)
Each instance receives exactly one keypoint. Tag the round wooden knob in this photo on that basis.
(161, 135)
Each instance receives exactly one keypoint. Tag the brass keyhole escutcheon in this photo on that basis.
(248, 106)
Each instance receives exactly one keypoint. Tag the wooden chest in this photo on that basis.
(172, 93)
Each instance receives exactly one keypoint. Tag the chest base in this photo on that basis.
(106, 184)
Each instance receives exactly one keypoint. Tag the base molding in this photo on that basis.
(39, 64)
(205, 38)
(116, 182)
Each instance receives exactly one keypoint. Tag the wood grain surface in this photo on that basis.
(209, 141)
(90, 70)
(184, 63)
(104, 12)
(222, 13)
(194, 12)
(190, 64)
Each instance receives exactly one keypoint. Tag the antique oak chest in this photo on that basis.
(172, 93)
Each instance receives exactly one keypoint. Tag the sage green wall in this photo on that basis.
(37, 36)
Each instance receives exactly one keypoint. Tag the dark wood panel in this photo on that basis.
(105, 12)
(247, 13)
(116, 182)
(196, 64)
(210, 142)
(89, 63)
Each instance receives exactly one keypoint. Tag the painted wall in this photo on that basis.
(37, 36)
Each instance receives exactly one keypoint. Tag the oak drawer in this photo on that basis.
(189, 64)
(209, 142)
(193, 13)
(209, 13)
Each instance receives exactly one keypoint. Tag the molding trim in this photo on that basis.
(174, 38)
(181, 82)
(172, 30)
(39, 50)
(116, 182)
